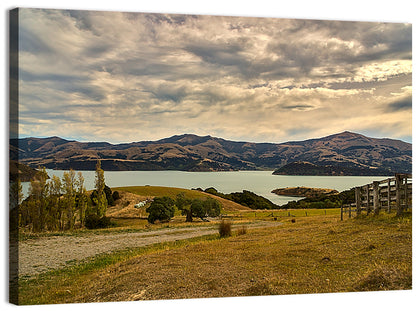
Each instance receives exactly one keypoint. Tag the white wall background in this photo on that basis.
(357, 10)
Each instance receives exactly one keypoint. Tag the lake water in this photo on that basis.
(259, 182)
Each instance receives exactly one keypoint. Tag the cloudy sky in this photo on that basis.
(122, 77)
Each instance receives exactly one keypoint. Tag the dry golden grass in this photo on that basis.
(124, 207)
(317, 254)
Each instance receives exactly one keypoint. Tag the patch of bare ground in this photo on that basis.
(54, 252)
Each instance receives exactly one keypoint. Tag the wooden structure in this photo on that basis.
(390, 194)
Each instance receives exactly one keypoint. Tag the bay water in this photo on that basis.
(259, 182)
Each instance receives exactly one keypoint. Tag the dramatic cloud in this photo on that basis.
(122, 77)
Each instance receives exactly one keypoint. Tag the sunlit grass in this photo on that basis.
(315, 254)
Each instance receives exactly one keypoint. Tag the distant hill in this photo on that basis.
(344, 152)
(310, 169)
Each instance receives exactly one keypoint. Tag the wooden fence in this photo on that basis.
(390, 194)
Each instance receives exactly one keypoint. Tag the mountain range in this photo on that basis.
(345, 153)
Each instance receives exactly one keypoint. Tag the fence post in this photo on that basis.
(405, 194)
(376, 202)
(367, 193)
(398, 196)
(358, 200)
(342, 213)
(349, 212)
(388, 197)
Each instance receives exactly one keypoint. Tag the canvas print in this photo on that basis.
(170, 156)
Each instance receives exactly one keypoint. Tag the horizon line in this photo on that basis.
(81, 140)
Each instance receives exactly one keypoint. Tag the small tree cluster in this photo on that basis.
(94, 221)
(55, 204)
(100, 198)
(109, 195)
(246, 198)
(60, 204)
(323, 201)
(197, 207)
(161, 209)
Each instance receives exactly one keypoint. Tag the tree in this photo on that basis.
(197, 207)
(38, 203)
(100, 200)
(54, 204)
(56, 218)
(69, 195)
(82, 199)
(116, 195)
(162, 209)
(205, 208)
(183, 204)
(109, 195)
(212, 207)
(95, 216)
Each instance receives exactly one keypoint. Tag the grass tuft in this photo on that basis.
(384, 278)
(242, 230)
(224, 229)
(261, 289)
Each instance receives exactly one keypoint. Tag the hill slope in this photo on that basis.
(205, 153)
(152, 191)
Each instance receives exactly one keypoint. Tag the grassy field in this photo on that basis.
(315, 254)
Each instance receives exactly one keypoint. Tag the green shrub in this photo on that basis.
(116, 195)
(162, 209)
(109, 195)
(94, 221)
(246, 198)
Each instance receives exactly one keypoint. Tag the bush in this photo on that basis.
(162, 209)
(246, 198)
(109, 195)
(116, 195)
(242, 230)
(94, 221)
(224, 229)
(212, 207)
(205, 208)
(197, 207)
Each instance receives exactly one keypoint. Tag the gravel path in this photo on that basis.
(48, 253)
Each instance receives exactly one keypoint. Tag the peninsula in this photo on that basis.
(304, 192)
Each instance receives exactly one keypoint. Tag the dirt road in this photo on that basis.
(49, 253)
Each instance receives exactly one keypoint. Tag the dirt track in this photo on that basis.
(48, 253)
